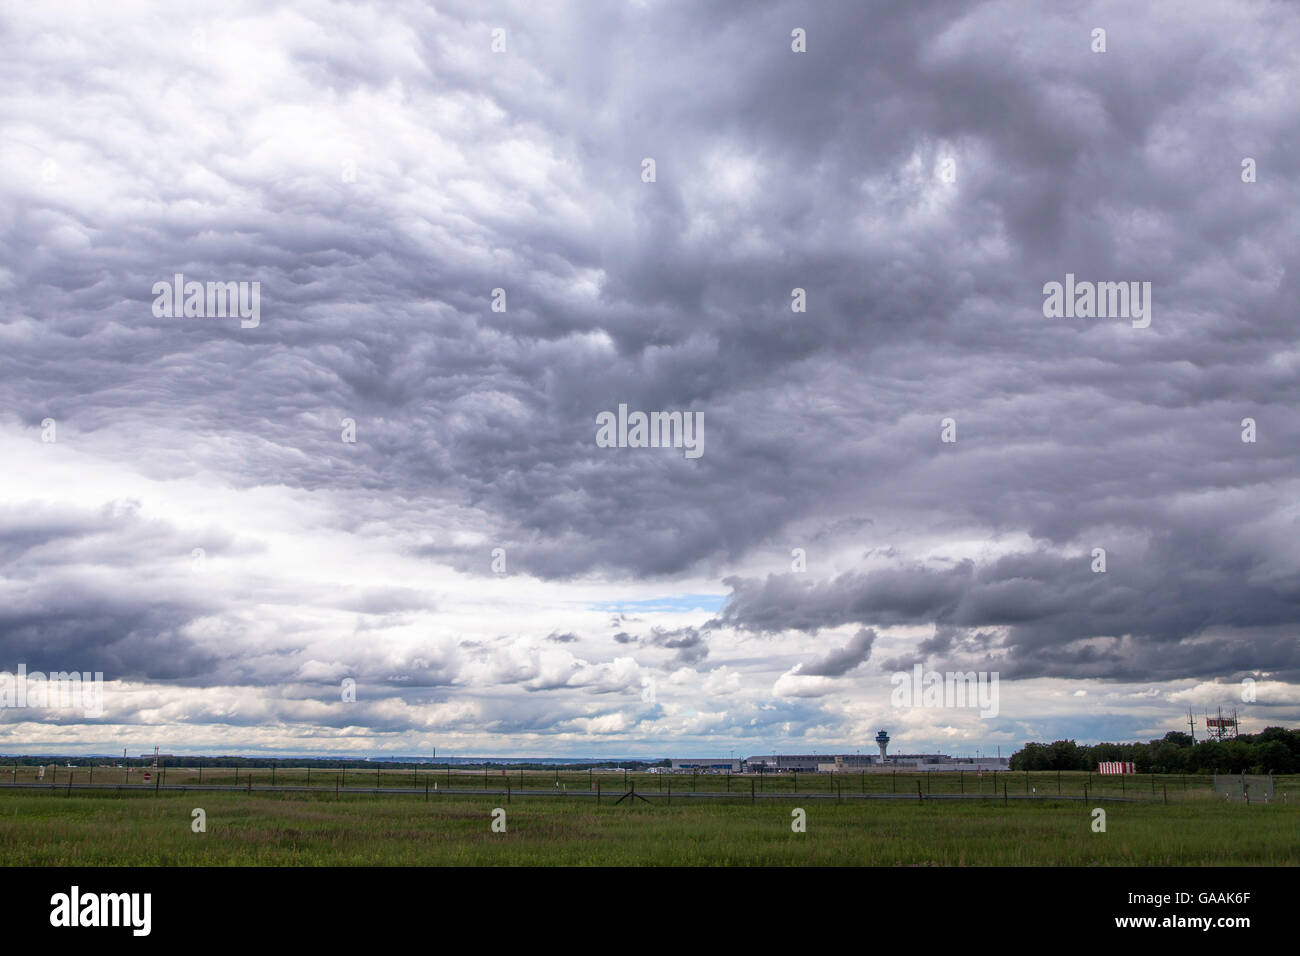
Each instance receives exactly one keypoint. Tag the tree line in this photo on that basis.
(1272, 750)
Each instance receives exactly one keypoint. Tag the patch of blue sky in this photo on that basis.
(669, 604)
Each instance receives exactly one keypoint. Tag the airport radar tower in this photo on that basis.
(882, 741)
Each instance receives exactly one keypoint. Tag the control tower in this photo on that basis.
(882, 741)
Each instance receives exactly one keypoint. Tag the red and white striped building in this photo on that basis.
(1115, 766)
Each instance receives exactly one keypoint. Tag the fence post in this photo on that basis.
(670, 790)
(426, 791)
(157, 778)
(895, 779)
(751, 791)
(273, 775)
(69, 793)
(1165, 788)
(919, 795)
(597, 793)
(336, 786)
(1004, 793)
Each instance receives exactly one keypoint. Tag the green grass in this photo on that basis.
(109, 828)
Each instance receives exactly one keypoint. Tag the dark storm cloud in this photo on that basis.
(689, 643)
(842, 660)
(363, 320)
(56, 615)
(792, 602)
(92, 631)
(1159, 611)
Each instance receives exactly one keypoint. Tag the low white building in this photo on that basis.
(706, 765)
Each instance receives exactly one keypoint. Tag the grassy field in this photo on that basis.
(106, 828)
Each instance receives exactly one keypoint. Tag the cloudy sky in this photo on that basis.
(180, 510)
